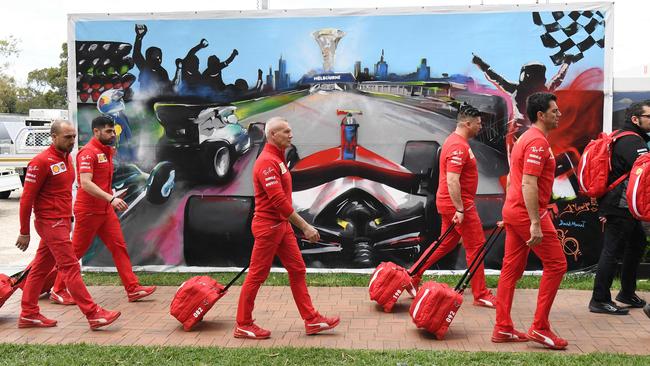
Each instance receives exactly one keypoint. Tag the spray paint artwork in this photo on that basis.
(370, 99)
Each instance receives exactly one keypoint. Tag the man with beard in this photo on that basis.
(529, 226)
(48, 190)
(624, 235)
(94, 212)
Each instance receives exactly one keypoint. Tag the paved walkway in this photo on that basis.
(363, 325)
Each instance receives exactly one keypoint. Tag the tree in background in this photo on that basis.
(46, 88)
(8, 88)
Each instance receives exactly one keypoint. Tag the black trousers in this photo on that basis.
(624, 236)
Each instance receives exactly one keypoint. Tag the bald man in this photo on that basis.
(274, 235)
(48, 190)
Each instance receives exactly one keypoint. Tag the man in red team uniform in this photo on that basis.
(273, 235)
(529, 226)
(94, 211)
(457, 184)
(48, 189)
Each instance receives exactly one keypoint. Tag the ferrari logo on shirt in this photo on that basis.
(283, 169)
(639, 171)
(471, 154)
(101, 158)
(58, 168)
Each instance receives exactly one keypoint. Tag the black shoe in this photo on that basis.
(606, 308)
(634, 301)
(646, 310)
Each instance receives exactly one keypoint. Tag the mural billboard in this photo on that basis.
(370, 95)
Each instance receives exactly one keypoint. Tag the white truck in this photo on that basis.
(25, 139)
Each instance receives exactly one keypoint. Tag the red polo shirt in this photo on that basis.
(47, 188)
(457, 157)
(95, 158)
(272, 185)
(531, 155)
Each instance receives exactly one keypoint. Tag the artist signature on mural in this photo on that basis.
(579, 224)
(570, 245)
(580, 208)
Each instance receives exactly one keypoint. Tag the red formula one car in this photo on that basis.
(367, 208)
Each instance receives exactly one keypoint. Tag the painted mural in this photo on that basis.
(370, 98)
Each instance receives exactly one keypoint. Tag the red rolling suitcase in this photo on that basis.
(195, 297)
(47, 285)
(389, 280)
(9, 285)
(436, 304)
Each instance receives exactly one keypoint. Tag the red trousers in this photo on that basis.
(55, 248)
(471, 230)
(271, 239)
(515, 257)
(107, 227)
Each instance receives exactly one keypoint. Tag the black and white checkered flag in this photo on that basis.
(573, 33)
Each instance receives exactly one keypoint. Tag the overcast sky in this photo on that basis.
(41, 25)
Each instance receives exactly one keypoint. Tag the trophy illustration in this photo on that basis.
(328, 39)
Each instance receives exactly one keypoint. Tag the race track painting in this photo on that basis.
(370, 97)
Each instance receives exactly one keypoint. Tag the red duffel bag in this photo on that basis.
(195, 297)
(9, 285)
(436, 304)
(389, 280)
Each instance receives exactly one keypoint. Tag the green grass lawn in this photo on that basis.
(83, 354)
(571, 281)
(118, 355)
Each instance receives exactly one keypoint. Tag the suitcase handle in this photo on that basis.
(21, 276)
(233, 280)
(478, 259)
(417, 266)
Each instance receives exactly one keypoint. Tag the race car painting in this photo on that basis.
(202, 141)
(365, 206)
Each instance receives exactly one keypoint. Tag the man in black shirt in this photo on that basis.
(623, 233)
